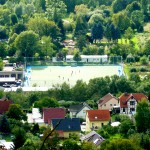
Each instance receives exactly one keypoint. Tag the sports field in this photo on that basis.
(47, 76)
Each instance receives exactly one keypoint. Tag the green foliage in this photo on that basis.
(122, 144)
(142, 117)
(88, 145)
(1, 64)
(4, 124)
(46, 102)
(70, 144)
(15, 112)
(103, 133)
(77, 56)
(27, 43)
(133, 69)
(19, 137)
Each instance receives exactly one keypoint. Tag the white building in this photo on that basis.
(88, 58)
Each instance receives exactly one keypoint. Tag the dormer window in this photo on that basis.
(132, 102)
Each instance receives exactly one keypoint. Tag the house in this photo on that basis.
(4, 145)
(67, 126)
(93, 137)
(10, 74)
(89, 58)
(108, 102)
(96, 119)
(53, 113)
(35, 117)
(79, 111)
(128, 102)
(4, 104)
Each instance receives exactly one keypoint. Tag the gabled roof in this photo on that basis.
(79, 107)
(126, 96)
(4, 106)
(105, 99)
(67, 124)
(51, 113)
(98, 115)
(93, 137)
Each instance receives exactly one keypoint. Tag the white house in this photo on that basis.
(88, 58)
(79, 111)
(129, 101)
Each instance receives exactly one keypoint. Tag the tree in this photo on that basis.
(142, 117)
(88, 145)
(77, 56)
(47, 47)
(79, 91)
(18, 28)
(55, 7)
(81, 42)
(3, 51)
(27, 43)
(137, 18)
(43, 27)
(35, 128)
(135, 77)
(3, 33)
(146, 49)
(80, 26)
(14, 19)
(81, 9)
(70, 144)
(4, 124)
(129, 33)
(46, 102)
(15, 112)
(97, 87)
(95, 18)
(121, 21)
(123, 144)
(1, 64)
(19, 137)
(97, 31)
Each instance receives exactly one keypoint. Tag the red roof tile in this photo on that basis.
(4, 106)
(126, 96)
(98, 115)
(53, 113)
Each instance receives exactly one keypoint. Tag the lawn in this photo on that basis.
(116, 136)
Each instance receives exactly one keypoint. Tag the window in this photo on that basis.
(132, 109)
(132, 102)
(102, 124)
(104, 104)
(110, 104)
(123, 109)
(114, 104)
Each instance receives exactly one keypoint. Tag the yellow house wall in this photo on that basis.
(109, 104)
(94, 123)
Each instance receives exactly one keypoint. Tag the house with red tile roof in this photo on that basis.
(129, 101)
(95, 119)
(108, 102)
(4, 105)
(53, 113)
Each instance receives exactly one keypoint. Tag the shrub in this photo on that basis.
(143, 69)
(133, 70)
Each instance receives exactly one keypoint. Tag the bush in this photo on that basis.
(143, 69)
(133, 70)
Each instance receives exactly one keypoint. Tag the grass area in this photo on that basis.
(126, 69)
(116, 136)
